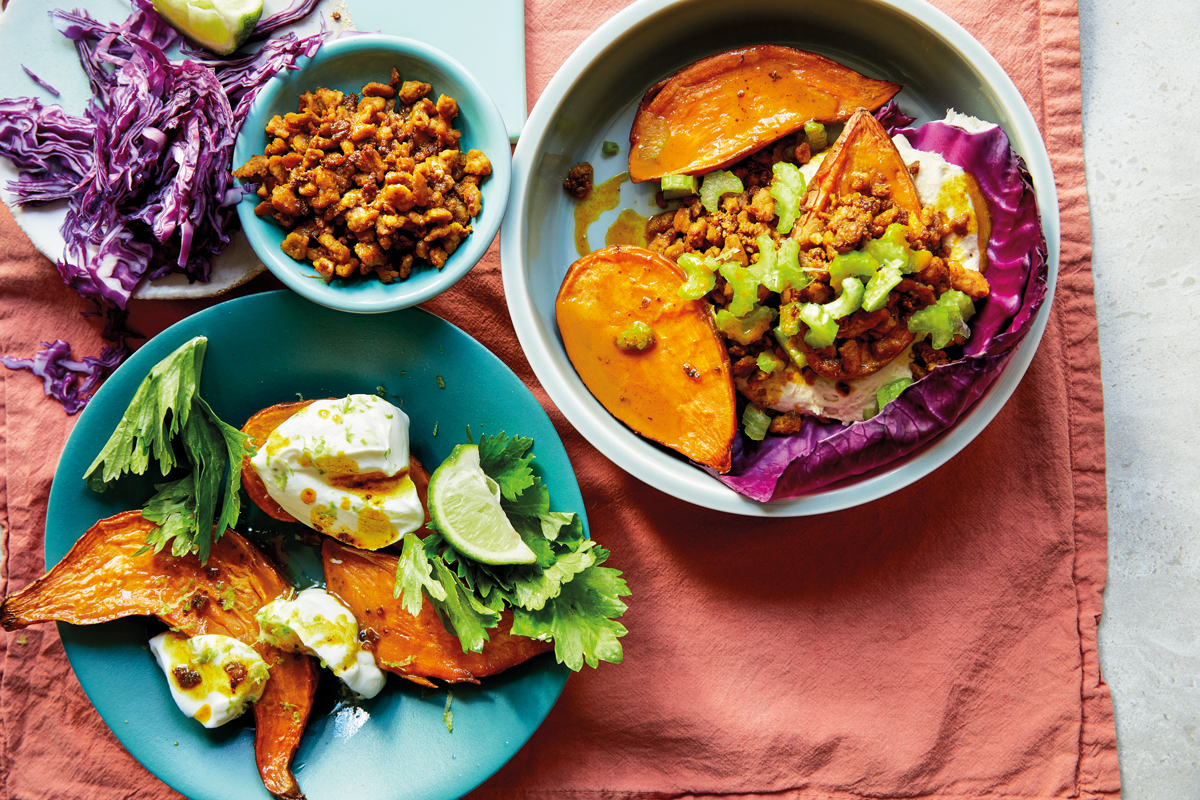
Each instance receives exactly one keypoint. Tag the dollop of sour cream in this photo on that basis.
(342, 468)
(316, 622)
(213, 678)
(787, 390)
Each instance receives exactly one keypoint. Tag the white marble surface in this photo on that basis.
(1141, 111)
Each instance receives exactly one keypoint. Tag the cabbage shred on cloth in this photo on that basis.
(824, 452)
(145, 171)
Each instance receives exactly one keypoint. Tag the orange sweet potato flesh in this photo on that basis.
(863, 151)
(678, 392)
(726, 106)
(259, 428)
(103, 578)
(420, 647)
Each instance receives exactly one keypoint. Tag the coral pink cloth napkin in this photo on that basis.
(939, 643)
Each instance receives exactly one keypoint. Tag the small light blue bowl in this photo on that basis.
(349, 64)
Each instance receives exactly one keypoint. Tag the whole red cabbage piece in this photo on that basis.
(824, 452)
(145, 171)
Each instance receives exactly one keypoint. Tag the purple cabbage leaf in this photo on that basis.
(824, 452)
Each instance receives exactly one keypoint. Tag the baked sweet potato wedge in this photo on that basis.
(259, 428)
(417, 648)
(726, 106)
(104, 577)
(678, 390)
(864, 152)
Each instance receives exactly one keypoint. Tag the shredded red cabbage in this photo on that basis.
(68, 381)
(825, 452)
(33, 76)
(145, 171)
(891, 117)
(281, 19)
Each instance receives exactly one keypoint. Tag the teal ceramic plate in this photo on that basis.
(266, 349)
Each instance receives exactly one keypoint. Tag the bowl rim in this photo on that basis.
(676, 476)
(401, 294)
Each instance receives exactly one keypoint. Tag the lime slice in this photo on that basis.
(218, 25)
(465, 505)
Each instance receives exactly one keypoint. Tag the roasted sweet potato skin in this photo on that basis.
(864, 152)
(679, 391)
(723, 107)
(259, 428)
(104, 578)
(417, 648)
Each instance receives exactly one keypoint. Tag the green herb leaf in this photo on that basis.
(413, 575)
(159, 411)
(534, 592)
(167, 412)
(173, 509)
(582, 619)
(466, 616)
(506, 461)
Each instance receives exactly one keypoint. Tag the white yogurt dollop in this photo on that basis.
(341, 467)
(213, 678)
(316, 622)
(945, 187)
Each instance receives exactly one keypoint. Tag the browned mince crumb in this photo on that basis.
(368, 184)
(579, 180)
(866, 340)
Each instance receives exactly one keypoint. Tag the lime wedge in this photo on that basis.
(221, 26)
(465, 505)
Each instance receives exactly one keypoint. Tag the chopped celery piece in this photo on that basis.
(638, 336)
(677, 186)
(610, 148)
(745, 288)
(789, 318)
(889, 392)
(954, 297)
(716, 184)
(945, 319)
(787, 261)
(822, 328)
(848, 302)
(814, 132)
(787, 187)
(853, 264)
(892, 247)
(701, 275)
(769, 362)
(748, 327)
(881, 283)
(755, 422)
(766, 268)
(939, 321)
(778, 265)
(794, 353)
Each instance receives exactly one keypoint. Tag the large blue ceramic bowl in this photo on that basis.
(348, 64)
